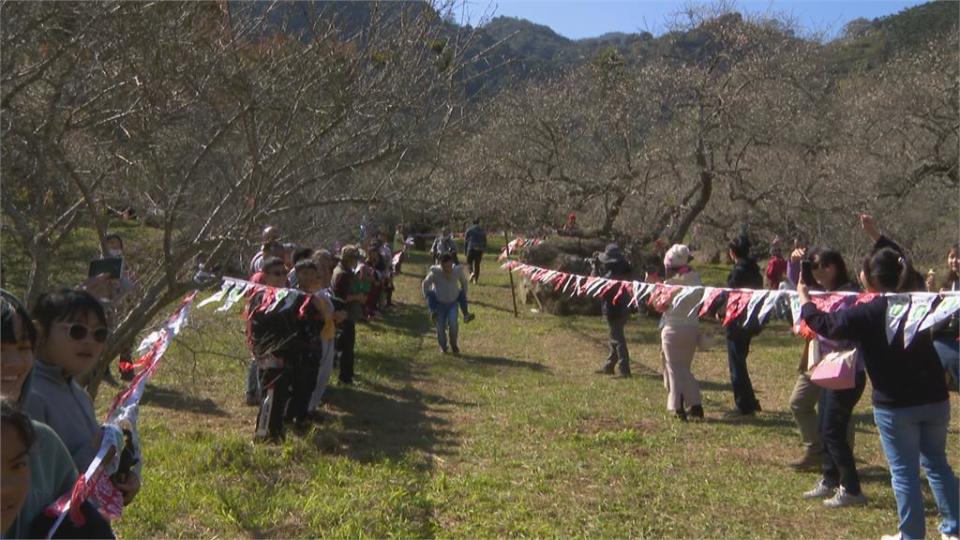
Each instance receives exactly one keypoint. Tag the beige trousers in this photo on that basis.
(679, 344)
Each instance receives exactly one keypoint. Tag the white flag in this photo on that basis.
(919, 308)
(707, 291)
(947, 307)
(769, 303)
(236, 294)
(897, 306)
(217, 296)
(685, 291)
(755, 298)
(795, 308)
(595, 287)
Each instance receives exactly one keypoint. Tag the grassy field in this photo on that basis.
(516, 437)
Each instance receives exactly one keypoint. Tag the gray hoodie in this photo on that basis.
(446, 288)
(60, 403)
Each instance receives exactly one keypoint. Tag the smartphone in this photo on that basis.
(806, 272)
(110, 265)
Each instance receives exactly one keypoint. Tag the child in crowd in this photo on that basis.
(16, 440)
(52, 472)
(72, 329)
(21, 469)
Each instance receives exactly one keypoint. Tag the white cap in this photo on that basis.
(678, 255)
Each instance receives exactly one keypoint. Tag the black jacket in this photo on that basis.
(282, 331)
(744, 275)
(900, 377)
(618, 269)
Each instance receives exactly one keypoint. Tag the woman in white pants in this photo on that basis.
(678, 336)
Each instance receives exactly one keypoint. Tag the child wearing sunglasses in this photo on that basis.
(71, 330)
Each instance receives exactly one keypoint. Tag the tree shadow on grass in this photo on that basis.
(873, 474)
(380, 425)
(409, 319)
(492, 306)
(499, 361)
(168, 398)
(772, 419)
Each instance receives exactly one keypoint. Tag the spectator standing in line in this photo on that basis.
(776, 266)
(476, 241)
(612, 264)
(277, 341)
(744, 275)
(680, 328)
(269, 235)
(947, 333)
(270, 248)
(343, 282)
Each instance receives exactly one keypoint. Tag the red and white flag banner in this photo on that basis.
(915, 312)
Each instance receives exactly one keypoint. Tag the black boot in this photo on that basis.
(696, 412)
(607, 369)
(681, 415)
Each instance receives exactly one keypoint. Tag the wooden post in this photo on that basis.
(513, 289)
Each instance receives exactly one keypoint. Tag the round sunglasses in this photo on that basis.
(79, 332)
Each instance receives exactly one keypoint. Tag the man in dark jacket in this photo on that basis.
(745, 275)
(344, 294)
(476, 241)
(613, 265)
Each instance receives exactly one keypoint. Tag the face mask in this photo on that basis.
(116, 253)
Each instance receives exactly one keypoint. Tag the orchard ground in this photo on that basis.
(515, 437)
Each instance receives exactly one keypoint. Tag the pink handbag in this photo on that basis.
(837, 370)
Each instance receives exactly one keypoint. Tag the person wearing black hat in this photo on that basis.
(613, 265)
(744, 275)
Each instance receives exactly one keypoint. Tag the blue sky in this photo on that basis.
(579, 18)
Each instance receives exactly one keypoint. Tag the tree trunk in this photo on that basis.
(612, 214)
(39, 272)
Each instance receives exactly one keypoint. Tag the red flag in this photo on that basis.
(709, 300)
(736, 302)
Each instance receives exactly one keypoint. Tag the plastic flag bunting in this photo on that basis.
(217, 296)
(736, 304)
(897, 306)
(710, 295)
(638, 288)
(947, 307)
(923, 314)
(795, 309)
(236, 293)
(919, 309)
(680, 296)
(755, 298)
(770, 302)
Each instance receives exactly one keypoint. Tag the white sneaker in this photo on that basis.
(945, 536)
(821, 491)
(843, 498)
(897, 536)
